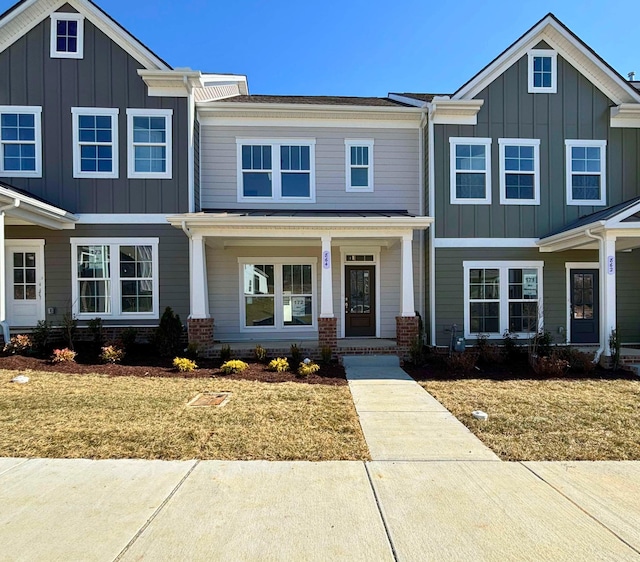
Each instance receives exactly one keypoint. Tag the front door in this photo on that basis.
(584, 306)
(360, 301)
(25, 285)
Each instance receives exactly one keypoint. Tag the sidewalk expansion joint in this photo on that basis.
(379, 506)
(14, 466)
(588, 514)
(156, 512)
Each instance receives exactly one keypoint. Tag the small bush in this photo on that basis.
(168, 334)
(326, 354)
(512, 350)
(69, 327)
(233, 366)
(579, 361)
(488, 353)
(551, 367)
(65, 355)
(280, 365)
(416, 352)
(260, 353)
(19, 345)
(95, 329)
(111, 354)
(40, 337)
(128, 338)
(192, 350)
(461, 363)
(296, 354)
(184, 365)
(307, 368)
(225, 353)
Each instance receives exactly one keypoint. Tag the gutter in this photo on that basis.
(599, 238)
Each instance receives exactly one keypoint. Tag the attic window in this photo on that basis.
(543, 71)
(67, 36)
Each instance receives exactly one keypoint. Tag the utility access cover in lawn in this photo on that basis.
(206, 399)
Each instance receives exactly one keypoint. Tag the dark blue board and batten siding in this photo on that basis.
(106, 77)
(577, 111)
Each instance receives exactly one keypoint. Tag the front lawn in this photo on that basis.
(93, 416)
(549, 420)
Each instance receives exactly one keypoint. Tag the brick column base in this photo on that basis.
(201, 333)
(406, 334)
(328, 333)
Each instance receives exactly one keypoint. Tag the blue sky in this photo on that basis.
(363, 48)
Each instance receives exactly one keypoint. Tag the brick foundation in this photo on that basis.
(328, 333)
(201, 333)
(406, 334)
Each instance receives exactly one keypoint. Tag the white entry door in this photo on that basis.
(25, 283)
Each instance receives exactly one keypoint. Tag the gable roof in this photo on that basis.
(317, 100)
(22, 17)
(559, 37)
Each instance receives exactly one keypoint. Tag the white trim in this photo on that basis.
(432, 233)
(547, 53)
(278, 296)
(485, 242)
(453, 171)
(168, 144)
(66, 16)
(569, 265)
(38, 245)
(602, 144)
(366, 143)
(535, 143)
(121, 218)
(374, 251)
(503, 299)
(115, 279)
(36, 111)
(625, 115)
(445, 111)
(76, 112)
(276, 172)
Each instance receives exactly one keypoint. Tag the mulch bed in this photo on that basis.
(153, 366)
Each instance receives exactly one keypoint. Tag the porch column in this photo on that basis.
(200, 324)
(608, 320)
(407, 307)
(3, 288)
(327, 323)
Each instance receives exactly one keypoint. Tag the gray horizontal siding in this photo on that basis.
(396, 167)
(577, 111)
(105, 77)
(173, 255)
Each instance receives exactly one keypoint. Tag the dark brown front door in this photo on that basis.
(360, 301)
(584, 306)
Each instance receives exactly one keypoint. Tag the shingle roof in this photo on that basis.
(418, 96)
(317, 100)
(603, 215)
(306, 213)
(24, 193)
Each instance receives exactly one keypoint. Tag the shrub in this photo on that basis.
(416, 352)
(128, 338)
(65, 355)
(40, 337)
(192, 350)
(461, 363)
(111, 354)
(326, 354)
(184, 365)
(168, 334)
(513, 351)
(296, 354)
(552, 366)
(488, 353)
(225, 353)
(95, 329)
(260, 353)
(280, 365)
(307, 368)
(540, 344)
(19, 345)
(233, 366)
(579, 361)
(69, 327)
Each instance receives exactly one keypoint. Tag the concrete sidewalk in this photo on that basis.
(402, 421)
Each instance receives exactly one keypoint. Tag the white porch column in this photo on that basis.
(407, 305)
(326, 289)
(608, 321)
(3, 285)
(199, 289)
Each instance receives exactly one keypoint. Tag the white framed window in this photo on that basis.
(586, 163)
(95, 142)
(543, 71)
(359, 164)
(149, 143)
(470, 170)
(21, 141)
(115, 278)
(502, 296)
(67, 35)
(277, 294)
(519, 171)
(276, 170)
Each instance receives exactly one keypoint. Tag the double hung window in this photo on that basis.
(586, 172)
(149, 134)
(359, 170)
(519, 171)
(282, 170)
(470, 170)
(21, 141)
(95, 142)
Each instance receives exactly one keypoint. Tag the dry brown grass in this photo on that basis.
(551, 420)
(91, 416)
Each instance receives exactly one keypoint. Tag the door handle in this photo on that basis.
(346, 304)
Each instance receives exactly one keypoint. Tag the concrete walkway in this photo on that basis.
(402, 421)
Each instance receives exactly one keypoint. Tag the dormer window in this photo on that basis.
(543, 71)
(67, 36)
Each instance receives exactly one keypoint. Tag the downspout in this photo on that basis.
(190, 143)
(4, 325)
(600, 240)
(431, 186)
(187, 232)
(421, 175)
